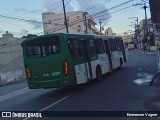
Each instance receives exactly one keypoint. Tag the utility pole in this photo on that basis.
(136, 28)
(101, 27)
(65, 18)
(134, 18)
(100, 22)
(146, 26)
(85, 22)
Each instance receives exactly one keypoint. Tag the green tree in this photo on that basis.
(144, 40)
(152, 41)
(29, 36)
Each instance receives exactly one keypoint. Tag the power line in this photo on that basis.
(61, 18)
(67, 2)
(132, 10)
(145, 1)
(114, 11)
(62, 27)
(4, 16)
(98, 5)
(112, 8)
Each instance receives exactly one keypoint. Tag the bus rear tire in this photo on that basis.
(98, 74)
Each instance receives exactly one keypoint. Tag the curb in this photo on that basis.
(4, 82)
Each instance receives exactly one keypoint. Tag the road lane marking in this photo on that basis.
(53, 104)
(14, 94)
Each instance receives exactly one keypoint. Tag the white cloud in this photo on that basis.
(83, 5)
(94, 7)
(20, 10)
(25, 10)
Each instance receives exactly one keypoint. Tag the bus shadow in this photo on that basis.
(63, 91)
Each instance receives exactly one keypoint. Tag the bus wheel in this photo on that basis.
(98, 74)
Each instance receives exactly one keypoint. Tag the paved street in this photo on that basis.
(126, 89)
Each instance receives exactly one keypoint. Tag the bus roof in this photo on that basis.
(57, 34)
(106, 37)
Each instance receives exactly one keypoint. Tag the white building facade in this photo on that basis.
(54, 23)
(127, 37)
(109, 31)
(147, 29)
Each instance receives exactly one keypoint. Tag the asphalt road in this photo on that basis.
(126, 89)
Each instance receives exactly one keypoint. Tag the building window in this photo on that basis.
(79, 26)
(49, 21)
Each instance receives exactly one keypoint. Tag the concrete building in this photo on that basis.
(109, 31)
(10, 48)
(155, 16)
(127, 37)
(146, 30)
(54, 23)
(11, 60)
(143, 30)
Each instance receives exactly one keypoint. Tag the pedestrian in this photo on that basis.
(144, 48)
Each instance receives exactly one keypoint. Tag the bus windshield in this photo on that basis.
(43, 47)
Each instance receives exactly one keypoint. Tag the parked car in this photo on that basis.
(130, 46)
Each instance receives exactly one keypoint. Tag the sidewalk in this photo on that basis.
(13, 87)
(151, 52)
(148, 52)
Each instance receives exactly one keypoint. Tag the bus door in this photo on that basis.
(76, 52)
(108, 52)
(123, 51)
(86, 58)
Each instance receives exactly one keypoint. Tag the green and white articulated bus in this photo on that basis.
(57, 60)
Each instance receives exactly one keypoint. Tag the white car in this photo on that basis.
(130, 47)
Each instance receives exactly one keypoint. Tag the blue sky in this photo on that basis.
(32, 9)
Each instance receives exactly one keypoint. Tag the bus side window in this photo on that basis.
(111, 45)
(119, 45)
(34, 51)
(115, 44)
(106, 46)
(55, 48)
(74, 47)
(92, 48)
(100, 46)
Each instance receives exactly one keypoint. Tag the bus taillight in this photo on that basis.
(28, 74)
(65, 68)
